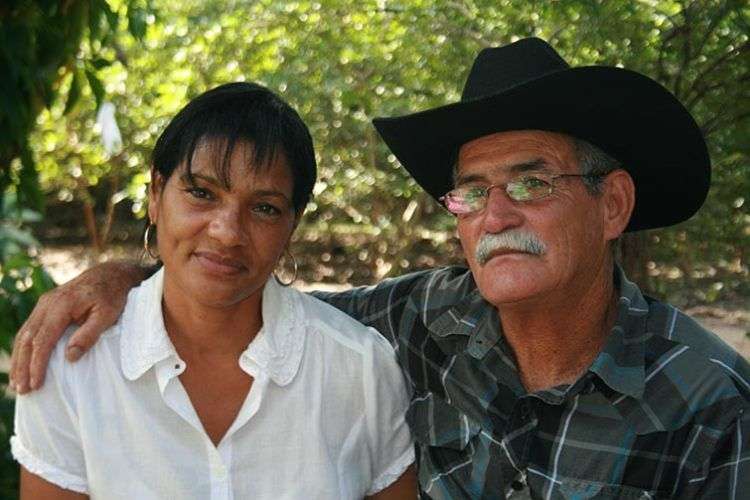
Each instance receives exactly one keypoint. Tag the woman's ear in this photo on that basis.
(619, 201)
(155, 188)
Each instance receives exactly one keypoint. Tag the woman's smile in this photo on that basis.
(215, 263)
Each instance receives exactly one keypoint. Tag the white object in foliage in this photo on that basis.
(111, 138)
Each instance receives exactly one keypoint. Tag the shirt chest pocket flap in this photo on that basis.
(434, 422)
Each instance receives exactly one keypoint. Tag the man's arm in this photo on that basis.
(379, 306)
(93, 300)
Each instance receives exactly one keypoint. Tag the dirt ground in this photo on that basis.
(731, 323)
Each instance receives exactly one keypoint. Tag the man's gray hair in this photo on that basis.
(592, 160)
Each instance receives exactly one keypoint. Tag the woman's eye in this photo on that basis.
(200, 193)
(266, 209)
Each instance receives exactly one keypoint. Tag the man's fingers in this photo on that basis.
(20, 361)
(86, 336)
(42, 344)
(95, 299)
(36, 339)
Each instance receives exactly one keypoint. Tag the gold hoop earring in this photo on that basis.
(294, 272)
(146, 238)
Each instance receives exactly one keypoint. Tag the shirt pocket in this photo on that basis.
(584, 490)
(436, 423)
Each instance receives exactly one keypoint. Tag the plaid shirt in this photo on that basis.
(661, 412)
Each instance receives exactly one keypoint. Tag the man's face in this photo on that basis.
(569, 224)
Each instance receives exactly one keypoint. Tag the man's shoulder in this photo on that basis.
(444, 283)
(694, 351)
(331, 325)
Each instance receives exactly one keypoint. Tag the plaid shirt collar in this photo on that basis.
(620, 364)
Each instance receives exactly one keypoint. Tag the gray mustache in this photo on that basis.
(512, 239)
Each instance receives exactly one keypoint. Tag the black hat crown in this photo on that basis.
(502, 68)
(527, 86)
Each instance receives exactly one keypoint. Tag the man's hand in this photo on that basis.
(93, 300)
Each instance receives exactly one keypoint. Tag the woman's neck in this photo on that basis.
(198, 329)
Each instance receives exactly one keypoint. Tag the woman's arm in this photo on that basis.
(34, 487)
(404, 488)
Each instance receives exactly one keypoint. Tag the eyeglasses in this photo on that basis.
(465, 200)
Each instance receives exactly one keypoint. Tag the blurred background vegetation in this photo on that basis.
(340, 63)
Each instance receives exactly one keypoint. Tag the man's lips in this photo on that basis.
(218, 263)
(505, 251)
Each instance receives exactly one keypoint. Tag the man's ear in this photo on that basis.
(619, 200)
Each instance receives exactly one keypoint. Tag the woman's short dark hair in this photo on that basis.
(240, 112)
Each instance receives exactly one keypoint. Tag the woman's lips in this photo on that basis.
(218, 264)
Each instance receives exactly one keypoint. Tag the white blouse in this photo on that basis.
(324, 417)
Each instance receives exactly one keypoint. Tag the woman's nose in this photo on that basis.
(227, 227)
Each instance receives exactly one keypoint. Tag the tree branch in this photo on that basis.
(719, 121)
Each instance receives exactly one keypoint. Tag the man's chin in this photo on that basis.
(508, 281)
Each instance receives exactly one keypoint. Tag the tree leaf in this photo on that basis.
(100, 62)
(74, 94)
(96, 87)
(137, 22)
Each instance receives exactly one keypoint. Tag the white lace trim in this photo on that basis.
(279, 346)
(145, 341)
(277, 349)
(393, 473)
(46, 471)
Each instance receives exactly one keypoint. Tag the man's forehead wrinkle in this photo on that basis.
(535, 165)
(486, 173)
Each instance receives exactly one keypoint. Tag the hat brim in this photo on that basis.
(628, 115)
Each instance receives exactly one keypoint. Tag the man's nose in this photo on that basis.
(501, 212)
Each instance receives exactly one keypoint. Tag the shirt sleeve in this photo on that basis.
(728, 471)
(386, 399)
(46, 438)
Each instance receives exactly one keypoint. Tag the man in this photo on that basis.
(541, 370)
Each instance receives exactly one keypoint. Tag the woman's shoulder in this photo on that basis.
(335, 326)
(107, 347)
(104, 350)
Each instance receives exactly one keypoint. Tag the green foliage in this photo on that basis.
(41, 43)
(341, 66)
(22, 281)
(8, 467)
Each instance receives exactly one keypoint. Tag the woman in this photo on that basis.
(218, 382)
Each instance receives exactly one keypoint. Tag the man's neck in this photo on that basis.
(556, 341)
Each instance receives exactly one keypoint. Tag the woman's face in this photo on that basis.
(219, 245)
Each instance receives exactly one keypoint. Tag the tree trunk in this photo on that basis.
(90, 220)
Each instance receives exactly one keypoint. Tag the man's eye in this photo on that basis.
(474, 194)
(532, 182)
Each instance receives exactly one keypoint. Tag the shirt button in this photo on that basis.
(220, 473)
(524, 412)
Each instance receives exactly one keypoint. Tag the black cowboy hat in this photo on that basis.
(527, 86)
